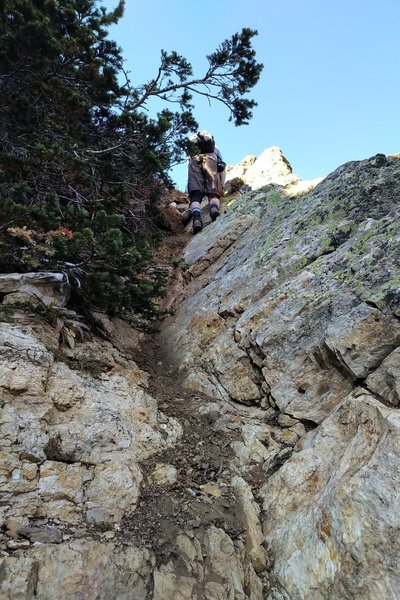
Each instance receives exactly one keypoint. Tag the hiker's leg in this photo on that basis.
(213, 200)
(213, 182)
(196, 181)
(196, 197)
(211, 175)
(195, 189)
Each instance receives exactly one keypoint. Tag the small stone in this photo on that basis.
(299, 429)
(265, 387)
(359, 392)
(80, 532)
(270, 413)
(29, 470)
(212, 489)
(164, 474)
(272, 402)
(16, 545)
(161, 541)
(12, 528)
(46, 535)
(284, 453)
(194, 523)
(29, 456)
(286, 421)
(209, 408)
(285, 436)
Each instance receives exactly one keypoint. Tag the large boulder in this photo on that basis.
(331, 512)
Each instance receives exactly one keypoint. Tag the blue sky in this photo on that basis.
(330, 88)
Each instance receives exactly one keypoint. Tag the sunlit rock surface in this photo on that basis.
(277, 477)
(293, 305)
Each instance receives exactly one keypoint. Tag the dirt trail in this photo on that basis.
(202, 456)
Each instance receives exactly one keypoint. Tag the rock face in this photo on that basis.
(294, 307)
(332, 508)
(87, 508)
(48, 287)
(273, 471)
(71, 448)
(270, 167)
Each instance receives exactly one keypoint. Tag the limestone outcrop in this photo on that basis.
(294, 307)
(250, 450)
(89, 506)
(270, 167)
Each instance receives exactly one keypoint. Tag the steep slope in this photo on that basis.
(114, 484)
(294, 307)
(248, 451)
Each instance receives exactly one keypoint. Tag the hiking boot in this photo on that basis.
(197, 225)
(214, 212)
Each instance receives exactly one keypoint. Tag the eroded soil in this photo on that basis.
(201, 495)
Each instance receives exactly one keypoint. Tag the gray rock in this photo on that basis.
(46, 535)
(314, 270)
(385, 381)
(286, 421)
(336, 503)
(48, 287)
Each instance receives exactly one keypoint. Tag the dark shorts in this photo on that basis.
(203, 174)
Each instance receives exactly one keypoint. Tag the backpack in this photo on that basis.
(204, 142)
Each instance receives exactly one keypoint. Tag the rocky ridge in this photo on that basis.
(294, 308)
(251, 451)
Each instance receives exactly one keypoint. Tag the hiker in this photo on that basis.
(206, 176)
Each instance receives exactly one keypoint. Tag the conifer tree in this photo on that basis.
(81, 163)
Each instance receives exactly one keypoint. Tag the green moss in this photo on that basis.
(340, 276)
(318, 298)
(316, 265)
(273, 197)
(302, 263)
(327, 245)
